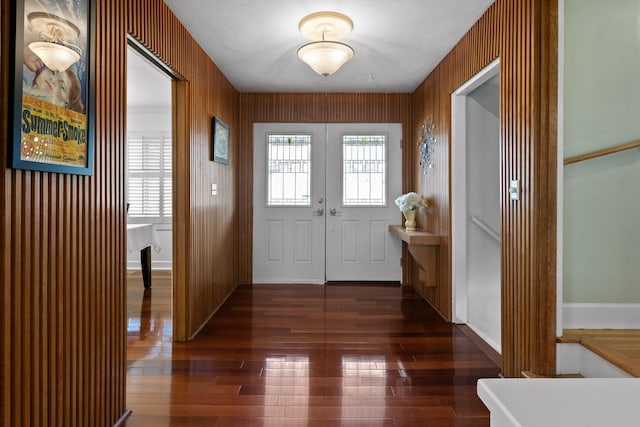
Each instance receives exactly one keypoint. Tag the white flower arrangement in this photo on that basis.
(411, 201)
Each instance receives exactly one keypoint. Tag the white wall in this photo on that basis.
(155, 120)
(601, 202)
(483, 203)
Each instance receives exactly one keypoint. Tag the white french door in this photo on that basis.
(323, 202)
(288, 203)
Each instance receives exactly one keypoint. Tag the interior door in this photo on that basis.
(364, 164)
(323, 202)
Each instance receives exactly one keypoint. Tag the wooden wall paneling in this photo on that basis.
(306, 108)
(62, 237)
(523, 34)
(209, 243)
(547, 185)
(182, 215)
(5, 242)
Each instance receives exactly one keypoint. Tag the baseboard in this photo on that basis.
(601, 316)
(270, 281)
(155, 265)
(424, 297)
(212, 314)
(496, 347)
(486, 348)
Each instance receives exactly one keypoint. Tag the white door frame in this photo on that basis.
(458, 189)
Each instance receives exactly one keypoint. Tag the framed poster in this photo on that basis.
(52, 86)
(220, 136)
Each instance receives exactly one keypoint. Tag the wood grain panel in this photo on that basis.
(309, 108)
(62, 237)
(205, 265)
(523, 34)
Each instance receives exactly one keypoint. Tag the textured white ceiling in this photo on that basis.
(397, 43)
(147, 85)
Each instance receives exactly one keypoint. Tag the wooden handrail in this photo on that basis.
(477, 221)
(603, 152)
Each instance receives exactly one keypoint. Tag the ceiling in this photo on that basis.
(488, 95)
(147, 85)
(397, 43)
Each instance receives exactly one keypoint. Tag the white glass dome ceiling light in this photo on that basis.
(324, 54)
(56, 53)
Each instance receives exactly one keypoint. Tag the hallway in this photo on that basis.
(303, 355)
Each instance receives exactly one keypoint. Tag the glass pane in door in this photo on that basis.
(364, 170)
(288, 169)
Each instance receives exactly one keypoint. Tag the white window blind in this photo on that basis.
(149, 176)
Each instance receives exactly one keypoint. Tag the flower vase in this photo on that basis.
(410, 220)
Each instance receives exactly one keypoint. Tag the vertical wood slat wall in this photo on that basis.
(523, 34)
(62, 237)
(206, 263)
(308, 107)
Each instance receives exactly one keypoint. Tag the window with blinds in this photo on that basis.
(149, 177)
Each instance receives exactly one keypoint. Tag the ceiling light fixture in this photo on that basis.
(324, 54)
(56, 53)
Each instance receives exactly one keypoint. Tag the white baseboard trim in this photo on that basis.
(485, 338)
(577, 359)
(601, 316)
(155, 265)
(269, 281)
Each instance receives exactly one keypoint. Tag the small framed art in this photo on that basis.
(220, 137)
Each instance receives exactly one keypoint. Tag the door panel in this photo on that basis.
(303, 241)
(359, 246)
(288, 232)
(275, 240)
(339, 231)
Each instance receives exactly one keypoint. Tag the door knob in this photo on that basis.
(319, 212)
(334, 212)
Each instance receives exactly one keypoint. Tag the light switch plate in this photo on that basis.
(514, 189)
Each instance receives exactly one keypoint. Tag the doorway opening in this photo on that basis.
(149, 196)
(476, 212)
(323, 202)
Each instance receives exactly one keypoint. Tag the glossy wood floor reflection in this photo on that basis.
(304, 355)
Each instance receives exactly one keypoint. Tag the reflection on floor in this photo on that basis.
(149, 323)
(305, 355)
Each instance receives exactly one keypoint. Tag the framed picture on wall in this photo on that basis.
(52, 86)
(220, 136)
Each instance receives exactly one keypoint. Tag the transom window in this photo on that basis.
(364, 169)
(288, 169)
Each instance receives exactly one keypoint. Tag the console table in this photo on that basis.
(140, 237)
(424, 248)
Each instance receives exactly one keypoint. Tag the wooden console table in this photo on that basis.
(424, 248)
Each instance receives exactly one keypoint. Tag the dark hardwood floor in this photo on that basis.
(303, 355)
